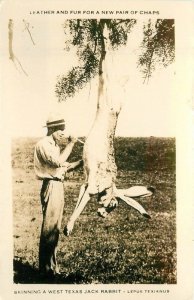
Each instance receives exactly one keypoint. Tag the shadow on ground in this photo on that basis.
(25, 273)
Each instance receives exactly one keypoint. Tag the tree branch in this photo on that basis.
(11, 53)
(27, 28)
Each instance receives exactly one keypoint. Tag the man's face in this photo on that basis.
(59, 136)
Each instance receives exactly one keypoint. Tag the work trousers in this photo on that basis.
(52, 200)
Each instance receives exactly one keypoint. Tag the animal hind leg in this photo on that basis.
(83, 199)
(81, 194)
(133, 203)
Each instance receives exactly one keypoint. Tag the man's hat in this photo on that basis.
(54, 120)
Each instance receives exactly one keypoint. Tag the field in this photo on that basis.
(125, 247)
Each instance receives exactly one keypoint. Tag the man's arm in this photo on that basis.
(49, 154)
(66, 152)
(46, 153)
(74, 165)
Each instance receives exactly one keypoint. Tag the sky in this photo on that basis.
(148, 109)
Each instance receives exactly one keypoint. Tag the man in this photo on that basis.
(50, 166)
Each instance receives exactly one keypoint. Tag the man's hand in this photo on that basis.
(72, 139)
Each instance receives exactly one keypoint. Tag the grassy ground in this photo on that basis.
(125, 247)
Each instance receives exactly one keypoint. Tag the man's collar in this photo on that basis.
(51, 140)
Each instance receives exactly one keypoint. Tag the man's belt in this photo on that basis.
(53, 178)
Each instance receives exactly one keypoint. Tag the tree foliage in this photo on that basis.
(87, 36)
(157, 46)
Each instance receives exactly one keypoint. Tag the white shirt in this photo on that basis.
(46, 159)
